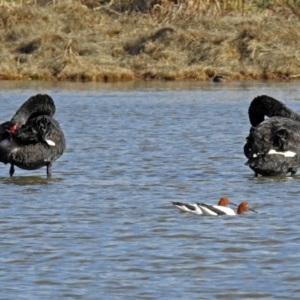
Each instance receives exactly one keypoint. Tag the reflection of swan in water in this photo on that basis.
(33, 138)
(28, 180)
(273, 145)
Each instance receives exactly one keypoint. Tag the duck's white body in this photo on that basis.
(215, 210)
(188, 207)
(198, 210)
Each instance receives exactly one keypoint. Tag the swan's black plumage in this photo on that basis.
(262, 106)
(280, 133)
(32, 139)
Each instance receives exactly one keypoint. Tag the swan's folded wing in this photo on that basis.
(277, 133)
(41, 129)
(286, 135)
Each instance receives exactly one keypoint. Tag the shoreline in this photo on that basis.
(74, 43)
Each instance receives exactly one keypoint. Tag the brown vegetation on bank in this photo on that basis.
(96, 40)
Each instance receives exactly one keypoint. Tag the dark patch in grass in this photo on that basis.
(29, 48)
(138, 47)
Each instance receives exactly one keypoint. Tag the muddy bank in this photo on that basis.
(77, 42)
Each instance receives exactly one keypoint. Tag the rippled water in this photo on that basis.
(104, 228)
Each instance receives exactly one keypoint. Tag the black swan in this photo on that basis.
(32, 139)
(273, 145)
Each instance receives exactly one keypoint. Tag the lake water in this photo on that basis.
(103, 227)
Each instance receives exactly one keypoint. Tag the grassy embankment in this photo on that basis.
(188, 40)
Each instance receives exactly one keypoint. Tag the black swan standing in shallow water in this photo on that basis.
(32, 139)
(273, 145)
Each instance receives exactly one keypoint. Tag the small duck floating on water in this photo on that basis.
(32, 139)
(273, 145)
(213, 210)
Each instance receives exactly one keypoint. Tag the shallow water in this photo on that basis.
(103, 226)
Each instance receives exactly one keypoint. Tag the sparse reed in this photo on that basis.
(101, 40)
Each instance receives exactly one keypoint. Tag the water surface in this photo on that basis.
(103, 226)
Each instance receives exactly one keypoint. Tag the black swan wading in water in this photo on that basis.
(273, 145)
(32, 139)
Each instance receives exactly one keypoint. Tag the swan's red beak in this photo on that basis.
(13, 128)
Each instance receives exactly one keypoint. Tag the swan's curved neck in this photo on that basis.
(262, 106)
(36, 105)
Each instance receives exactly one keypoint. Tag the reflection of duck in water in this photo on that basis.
(273, 145)
(33, 138)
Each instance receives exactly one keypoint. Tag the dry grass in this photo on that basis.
(101, 40)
